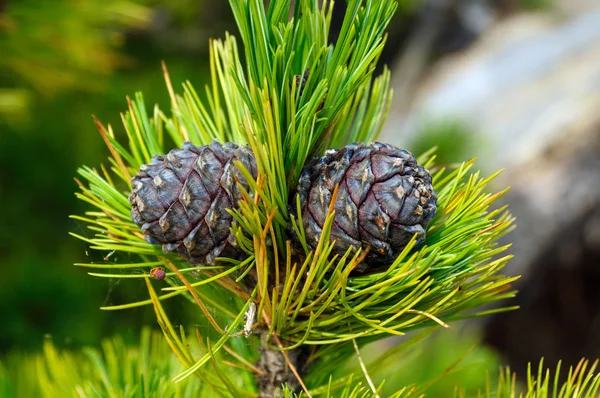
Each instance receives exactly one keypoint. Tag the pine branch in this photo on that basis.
(296, 96)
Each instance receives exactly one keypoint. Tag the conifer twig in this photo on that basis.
(291, 365)
(286, 356)
(364, 369)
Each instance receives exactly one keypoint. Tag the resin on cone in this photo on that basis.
(180, 200)
(384, 198)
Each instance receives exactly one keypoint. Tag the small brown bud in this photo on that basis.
(158, 273)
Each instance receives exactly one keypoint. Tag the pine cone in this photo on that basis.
(384, 198)
(180, 200)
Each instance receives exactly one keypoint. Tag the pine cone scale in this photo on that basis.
(371, 212)
(167, 186)
(318, 201)
(190, 196)
(390, 195)
(371, 242)
(150, 209)
(175, 223)
(358, 178)
(347, 214)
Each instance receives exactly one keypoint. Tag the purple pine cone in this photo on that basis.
(384, 199)
(180, 200)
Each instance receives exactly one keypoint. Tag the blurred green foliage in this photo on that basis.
(51, 46)
(61, 61)
(534, 5)
(115, 370)
(435, 363)
(447, 363)
(454, 139)
(448, 359)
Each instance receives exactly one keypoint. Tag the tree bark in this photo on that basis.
(276, 369)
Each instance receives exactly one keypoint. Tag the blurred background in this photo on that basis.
(515, 83)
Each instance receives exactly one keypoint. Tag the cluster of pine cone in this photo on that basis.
(384, 198)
